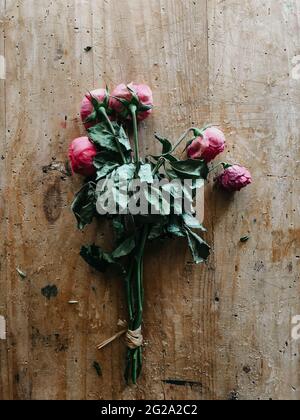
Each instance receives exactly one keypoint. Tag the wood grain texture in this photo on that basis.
(219, 331)
(5, 387)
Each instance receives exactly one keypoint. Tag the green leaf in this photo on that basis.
(167, 145)
(171, 174)
(199, 248)
(107, 156)
(190, 169)
(157, 201)
(168, 157)
(106, 168)
(97, 368)
(156, 232)
(103, 137)
(125, 173)
(145, 174)
(153, 198)
(123, 138)
(96, 258)
(175, 230)
(100, 260)
(175, 227)
(191, 222)
(124, 249)
(158, 229)
(171, 158)
(115, 186)
(84, 206)
(119, 228)
(175, 192)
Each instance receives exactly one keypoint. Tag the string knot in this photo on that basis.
(134, 339)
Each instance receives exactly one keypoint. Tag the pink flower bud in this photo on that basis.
(144, 95)
(81, 154)
(87, 107)
(235, 178)
(209, 146)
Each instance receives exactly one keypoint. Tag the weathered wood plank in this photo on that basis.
(253, 95)
(45, 80)
(4, 376)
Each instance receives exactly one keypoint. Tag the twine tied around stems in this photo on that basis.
(133, 339)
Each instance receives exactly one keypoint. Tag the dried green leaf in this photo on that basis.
(145, 174)
(192, 222)
(199, 248)
(97, 368)
(167, 145)
(84, 205)
(124, 249)
(190, 169)
(96, 258)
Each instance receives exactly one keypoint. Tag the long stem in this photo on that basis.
(102, 110)
(140, 292)
(137, 359)
(224, 164)
(177, 144)
(158, 166)
(129, 292)
(180, 140)
(140, 349)
(133, 110)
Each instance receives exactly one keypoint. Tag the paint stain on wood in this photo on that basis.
(50, 292)
(56, 341)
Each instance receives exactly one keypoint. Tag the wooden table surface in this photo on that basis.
(217, 331)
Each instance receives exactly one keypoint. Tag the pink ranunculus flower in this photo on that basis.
(234, 178)
(209, 146)
(144, 95)
(81, 154)
(87, 107)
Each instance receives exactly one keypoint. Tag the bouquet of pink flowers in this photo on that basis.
(147, 198)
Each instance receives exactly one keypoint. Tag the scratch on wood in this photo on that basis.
(179, 382)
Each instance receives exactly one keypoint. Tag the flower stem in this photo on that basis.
(133, 110)
(177, 144)
(103, 112)
(158, 166)
(129, 292)
(137, 358)
(183, 137)
(140, 257)
(224, 164)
